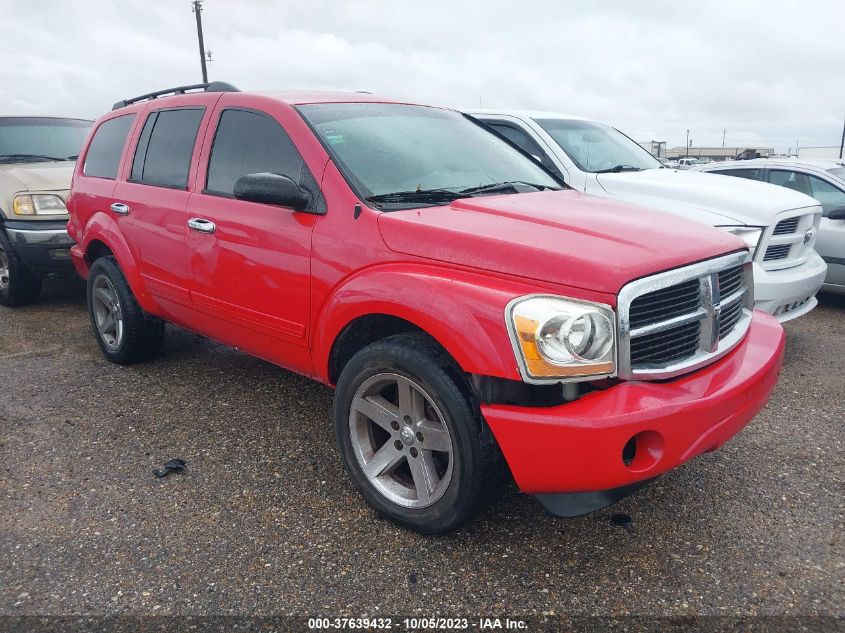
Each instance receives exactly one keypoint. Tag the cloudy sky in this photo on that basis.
(772, 73)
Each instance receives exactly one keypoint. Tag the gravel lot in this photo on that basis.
(263, 520)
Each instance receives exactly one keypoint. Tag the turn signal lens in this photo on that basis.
(23, 205)
(556, 338)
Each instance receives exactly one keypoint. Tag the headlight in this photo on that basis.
(749, 234)
(39, 204)
(556, 338)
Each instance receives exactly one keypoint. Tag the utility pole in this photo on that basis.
(197, 9)
(724, 131)
(842, 142)
(687, 143)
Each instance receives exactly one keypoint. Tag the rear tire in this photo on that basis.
(126, 334)
(18, 284)
(410, 436)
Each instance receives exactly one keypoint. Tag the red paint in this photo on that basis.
(577, 447)
(282, 285)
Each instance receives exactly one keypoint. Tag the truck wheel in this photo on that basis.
(410, 438)
(18, 284)
(125, 332)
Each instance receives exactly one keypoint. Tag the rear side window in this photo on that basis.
(163, 155)
(106, 147)
(751, 174)
(248, 142)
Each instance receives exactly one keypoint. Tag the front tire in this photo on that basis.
(410, 437)
(126, 334)
(18, 284)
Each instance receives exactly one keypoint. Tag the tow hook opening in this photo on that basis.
(642, 451)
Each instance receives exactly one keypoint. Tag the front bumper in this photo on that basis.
(585, 445)
(43, 246)
(791, 292)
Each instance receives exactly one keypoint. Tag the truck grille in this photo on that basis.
(786, 226)
(789, 242)
(674, 322)
(779, 251)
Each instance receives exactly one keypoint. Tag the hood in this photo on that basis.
(52, 176)
(563, 237)
(704, 197)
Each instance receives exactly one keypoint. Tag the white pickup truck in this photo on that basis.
(779, 225)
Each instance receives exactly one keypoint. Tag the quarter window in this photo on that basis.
(163, 155)
(105, 149)
(751, 174)
(249, 142)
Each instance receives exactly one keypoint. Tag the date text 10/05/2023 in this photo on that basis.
(415, 624)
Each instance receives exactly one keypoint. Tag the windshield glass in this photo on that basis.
(29, 139)
(386, 148)
(595, 147)
(838, 171)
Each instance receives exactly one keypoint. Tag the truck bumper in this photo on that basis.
(43, 246)
(634, 431)
(791, 292)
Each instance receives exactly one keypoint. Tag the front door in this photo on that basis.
(250, 262)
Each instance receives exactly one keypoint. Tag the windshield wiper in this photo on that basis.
(617, 168)
(422, 195)
(519, 186)
(11, 158)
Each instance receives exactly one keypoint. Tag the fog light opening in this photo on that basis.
(629, 451)
(643, 451)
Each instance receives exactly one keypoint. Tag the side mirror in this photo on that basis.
(271, 189)
(837, 214)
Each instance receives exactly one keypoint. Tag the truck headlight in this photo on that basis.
(749, 234)
(555, 338)
(39, 204)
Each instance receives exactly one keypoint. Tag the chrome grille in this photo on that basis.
(676, 321)
(779, 251)
(785, 227)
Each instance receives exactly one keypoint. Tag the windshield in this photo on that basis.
(596, 147)
(385, 149)
(838, 171)
(31, 139)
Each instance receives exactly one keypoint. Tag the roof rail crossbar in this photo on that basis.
(214, 86)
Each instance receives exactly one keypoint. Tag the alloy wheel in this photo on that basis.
(108, 314)
(4, 269)
(401, 440)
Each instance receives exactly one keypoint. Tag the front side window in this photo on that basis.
(595, 147)
(106, 148)
(34, 139)
(829, 196)
(839, 172)
(163, 154)
(791, 180)
(386, 148)
(248, 142)
(521, 139)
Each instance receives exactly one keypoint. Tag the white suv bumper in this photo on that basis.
(791, 292)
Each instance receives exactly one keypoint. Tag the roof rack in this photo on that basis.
(214, 86)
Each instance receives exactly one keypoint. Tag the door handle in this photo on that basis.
(201, 225)
(120, 208)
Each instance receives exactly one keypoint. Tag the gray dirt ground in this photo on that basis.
(263, 521)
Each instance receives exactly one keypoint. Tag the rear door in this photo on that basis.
(150, 201)
(250, 263)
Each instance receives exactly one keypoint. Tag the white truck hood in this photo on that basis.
(709, 198)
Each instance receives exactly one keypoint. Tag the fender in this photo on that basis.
(463, 311)
(101, 227)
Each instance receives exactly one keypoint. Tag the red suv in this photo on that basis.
(469, 312)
